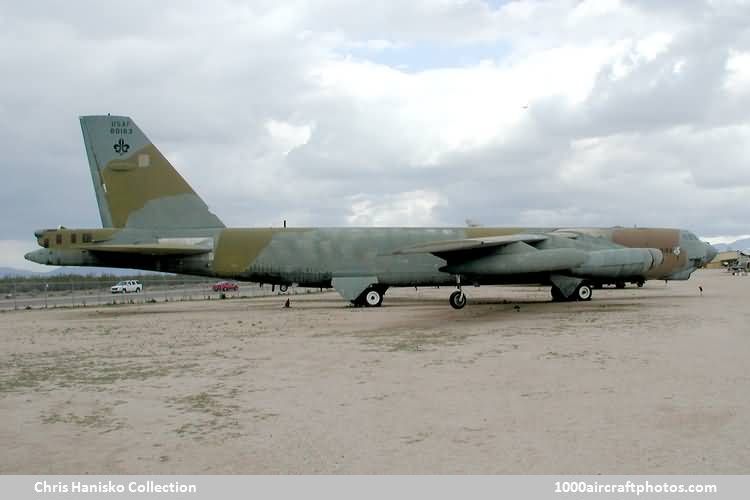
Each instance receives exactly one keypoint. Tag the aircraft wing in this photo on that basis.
(441, 248)
(148, 249)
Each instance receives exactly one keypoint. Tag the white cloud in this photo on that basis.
(588, 9)
(433, 113)
(415, 208)
(738, 72)
(653, 45)
(287, 137)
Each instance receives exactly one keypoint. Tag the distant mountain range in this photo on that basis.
(6, 272)
(743, 244)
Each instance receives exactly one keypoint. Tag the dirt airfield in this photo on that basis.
(651, 380)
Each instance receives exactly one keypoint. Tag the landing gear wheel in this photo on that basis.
(457, 299)
(283, 288)
(583, 292)
(620, 285)
(640, 284)
(373, 298)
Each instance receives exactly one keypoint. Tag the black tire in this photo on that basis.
(557, 295)
(457, 299)
(620, 285)
(583, 292)
(373, 298)
(283, 288)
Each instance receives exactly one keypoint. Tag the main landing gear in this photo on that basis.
(581, 293)
(372, 297)
(457, 299)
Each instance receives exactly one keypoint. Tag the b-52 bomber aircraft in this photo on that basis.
(153, 220)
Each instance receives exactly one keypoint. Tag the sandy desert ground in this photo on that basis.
(654, 380)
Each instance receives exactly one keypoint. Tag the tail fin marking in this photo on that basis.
(135, 184)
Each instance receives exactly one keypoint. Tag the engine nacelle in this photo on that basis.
(615, 263)
(619, 263)
(536, 261)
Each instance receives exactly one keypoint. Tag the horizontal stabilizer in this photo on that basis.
(149, 249)
(442, 247)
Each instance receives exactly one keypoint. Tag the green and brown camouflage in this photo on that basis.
(153, 220)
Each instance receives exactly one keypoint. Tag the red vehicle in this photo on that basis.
(226, 286)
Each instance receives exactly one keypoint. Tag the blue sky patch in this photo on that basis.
(423, 56)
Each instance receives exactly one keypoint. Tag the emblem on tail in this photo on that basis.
(121, 147)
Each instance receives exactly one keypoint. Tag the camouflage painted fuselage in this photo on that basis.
(313, 256)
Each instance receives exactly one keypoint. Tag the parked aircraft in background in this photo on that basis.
(152, 219)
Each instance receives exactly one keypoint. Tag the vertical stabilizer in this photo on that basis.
(135, 184)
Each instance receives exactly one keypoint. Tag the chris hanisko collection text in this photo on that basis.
(114, 487)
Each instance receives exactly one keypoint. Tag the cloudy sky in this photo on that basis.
(424, 112)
